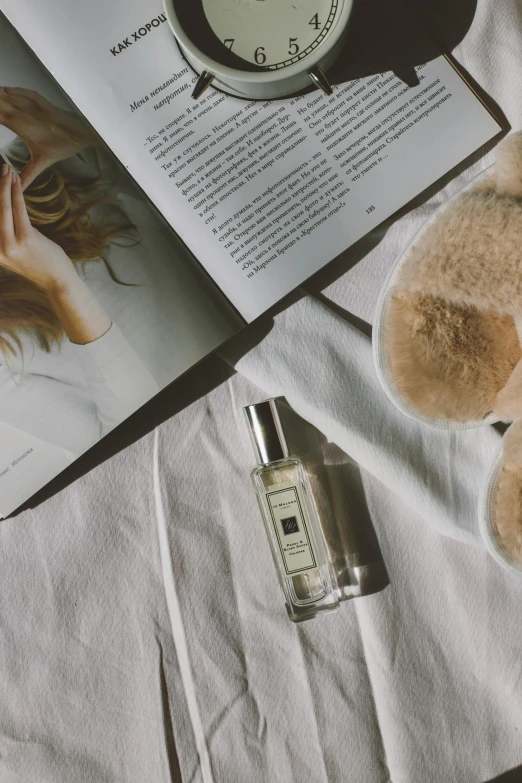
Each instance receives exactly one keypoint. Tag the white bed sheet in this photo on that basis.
(139, 609)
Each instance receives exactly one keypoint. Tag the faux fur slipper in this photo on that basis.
(446, 344)
(500, 509)
(448, 332)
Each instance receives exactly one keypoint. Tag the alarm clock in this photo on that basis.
(260, 49)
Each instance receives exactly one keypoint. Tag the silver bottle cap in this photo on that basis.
(266, 432)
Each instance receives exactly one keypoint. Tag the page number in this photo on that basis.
(370, 209)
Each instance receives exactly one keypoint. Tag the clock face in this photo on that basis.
(272, 34)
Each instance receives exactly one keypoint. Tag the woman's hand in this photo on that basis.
(50, 134)
(22, 248)
(28, 253)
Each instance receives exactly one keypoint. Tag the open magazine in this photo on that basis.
(106, 297)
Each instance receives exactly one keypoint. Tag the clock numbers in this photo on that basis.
(273, 34)
(294, 48)
(260, 55)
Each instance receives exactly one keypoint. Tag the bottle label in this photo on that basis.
(291, 528)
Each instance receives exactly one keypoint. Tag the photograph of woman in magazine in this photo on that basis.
(78, 261)
(67, 374)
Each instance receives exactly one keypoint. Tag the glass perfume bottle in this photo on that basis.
(291, 519)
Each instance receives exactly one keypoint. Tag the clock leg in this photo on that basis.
(204, 81)
(320, 80)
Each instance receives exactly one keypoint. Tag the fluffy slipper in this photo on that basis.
(501, 507)
(447, 345)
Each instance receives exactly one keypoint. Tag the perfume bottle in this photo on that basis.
(291, 519)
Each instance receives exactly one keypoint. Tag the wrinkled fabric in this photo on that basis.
(140, 616)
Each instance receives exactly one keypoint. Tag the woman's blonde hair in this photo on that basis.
(62, 211)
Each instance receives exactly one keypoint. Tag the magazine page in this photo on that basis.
(263, 194)
(100, 305)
